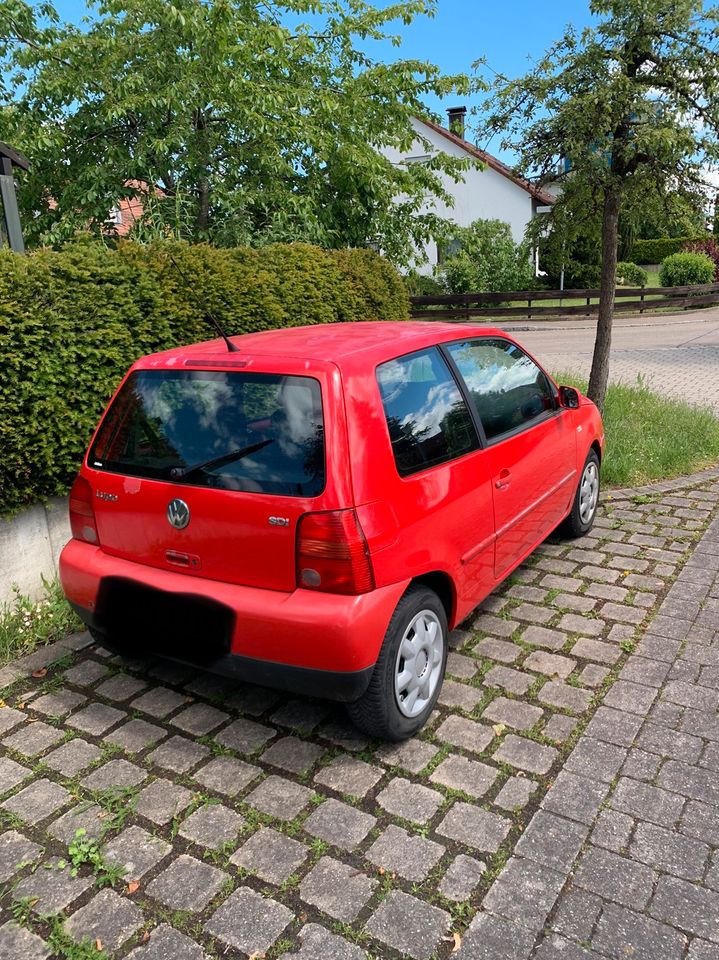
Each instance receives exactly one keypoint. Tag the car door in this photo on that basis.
(530, 451)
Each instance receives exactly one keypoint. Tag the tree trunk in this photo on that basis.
(610, 234)
(203, 210)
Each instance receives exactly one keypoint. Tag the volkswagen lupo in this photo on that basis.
(316, 511)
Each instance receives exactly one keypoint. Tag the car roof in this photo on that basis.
(342, 343)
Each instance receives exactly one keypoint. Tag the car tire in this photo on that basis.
(586, 500)
(409, 671)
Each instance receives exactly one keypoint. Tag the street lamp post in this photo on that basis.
(10, 230)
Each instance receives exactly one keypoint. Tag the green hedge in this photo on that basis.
(72, 322)
(654, 251)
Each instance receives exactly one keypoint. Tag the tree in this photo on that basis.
(632, 106)
(486, 258)
(253, 125)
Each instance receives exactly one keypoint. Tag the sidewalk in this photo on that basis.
(562, 803)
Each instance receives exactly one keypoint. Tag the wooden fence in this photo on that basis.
(465, 306)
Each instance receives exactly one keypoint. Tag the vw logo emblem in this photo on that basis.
(178, 514)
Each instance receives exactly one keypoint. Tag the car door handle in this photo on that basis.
(504, 480)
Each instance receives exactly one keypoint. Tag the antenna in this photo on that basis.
(209, 316)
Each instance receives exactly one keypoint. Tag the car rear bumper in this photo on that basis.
(304, 641)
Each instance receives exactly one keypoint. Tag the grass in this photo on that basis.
(650, 437)
(26, 624)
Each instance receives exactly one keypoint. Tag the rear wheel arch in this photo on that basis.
(595, 445)
(443, 585)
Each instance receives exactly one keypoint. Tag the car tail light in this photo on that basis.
(82, 512)
(332, 553)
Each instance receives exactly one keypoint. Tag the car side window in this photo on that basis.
(428, 421)
(508, 388)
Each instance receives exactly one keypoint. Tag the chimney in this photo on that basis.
(455, 120)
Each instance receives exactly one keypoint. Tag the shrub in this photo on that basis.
(654, 251)
(683, 269)
(72, 322)
(630, 275)
(709, 247)
(578, 276)
(488, 259)
(419, 285)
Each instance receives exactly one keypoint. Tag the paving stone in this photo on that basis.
(568, 584)
(88, 817)
(461, 666)
(624, 933)
(544, 637)
(15, 851)
(178, 754)
(411, 801)
(576, 913)
(701, 820)
(670, 743)
(460, 695)
(526, 754)
(343, 734)
(460, 773)
(620, 632)
(96, 719)
(411, 926)
(199, 719)
(687, 906)
(691, 695)
(588, 649)
(615, 878)
(515, 793)
(578, 798)
(136, 851)
(166, 943)
(593, 675)
(51, 887)
(669, 852)
(291, 753)
(651, 673)
(301, 716)
(647, 802)
(513, 681)
(349, 776)
(474, 827)
(702, 950)
(32, 739)
(226, 775)
(551, 664)
(489, 937)
(572, 601)
(115, 775)
(58, 703)
(694, 782)
(73, 757)
(135, 735)
(521, 591)
(319, 944)
(494, 625)
(612, 830)
(159, 702)
(410, 856)
(461, 878)
(465, 733)
(614, 726)
(339, 824)
(559, 728)
(631, 697)
(595, 759)
(513, 713)
(244, 736)
(212, 825)
(552, 841)
(532, 613)
(86, 673)
(337, 889)
(17, 942)
(108, 917)
(120, 687)
(564, 697)
(11, 774)
(641, 765)
(554, 947)
(279, 798)
(412, 755)
(37, 801)
(270, 855)
(187, 884)
(524, 892)
(162, 800)
(498, 650)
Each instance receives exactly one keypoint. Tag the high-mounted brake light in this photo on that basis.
(332, 553)
(82, 512)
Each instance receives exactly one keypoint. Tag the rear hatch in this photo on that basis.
(207, 471)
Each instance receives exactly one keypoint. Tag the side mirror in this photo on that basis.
(568, 397)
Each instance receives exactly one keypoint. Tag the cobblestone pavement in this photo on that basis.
(562, 803)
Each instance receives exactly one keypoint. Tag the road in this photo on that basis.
(675, 354)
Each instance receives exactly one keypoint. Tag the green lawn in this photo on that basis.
(650, 437)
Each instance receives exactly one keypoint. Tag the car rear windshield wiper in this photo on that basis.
(181, 473)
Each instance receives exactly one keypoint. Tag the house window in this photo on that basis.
(115, 217)
(447, 250)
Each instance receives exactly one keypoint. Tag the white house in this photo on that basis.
(491, 192)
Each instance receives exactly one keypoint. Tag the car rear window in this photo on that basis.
(428, 420)
(255, 432)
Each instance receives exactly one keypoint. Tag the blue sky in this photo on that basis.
(506, 33)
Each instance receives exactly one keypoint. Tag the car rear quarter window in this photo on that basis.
(427, 418)
(267, 430)
(507, 387)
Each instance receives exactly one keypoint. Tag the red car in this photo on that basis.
(316, 511)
